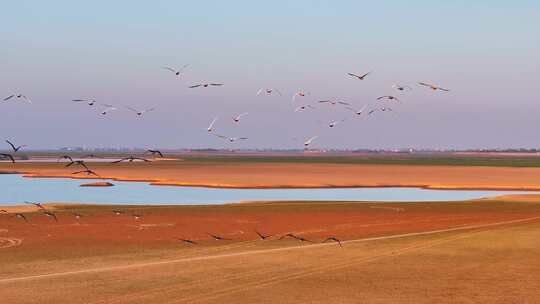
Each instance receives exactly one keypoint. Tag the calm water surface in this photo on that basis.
(16, 189)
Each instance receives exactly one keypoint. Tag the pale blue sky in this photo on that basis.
(487, 52)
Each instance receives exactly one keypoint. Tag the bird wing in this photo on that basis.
(12, 145)
(424, 84)
(149, 110)
(323, 101)
(212, 123)
(132, 109)
(9, 97)
(183, 67)
(443, 89)
(195, 86)
(170, 69)
(243, 138)
(242, 114)
(365, 74)
(353, 75)
(221, 136)
(79, 100)
(344, 103)
(216, 84)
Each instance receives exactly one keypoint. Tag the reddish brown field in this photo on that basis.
(489, 254)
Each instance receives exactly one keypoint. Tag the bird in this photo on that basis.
(334, 102)
(309, 141)
(77, 162)
(388, 97)
(130, 158)
(211, 126)
(268, 91)
(51, 215)
(187, 241)
(15, 148)
(217, 237)
(87, 172)
(262, 236)
(333, 239)
(296, 237)
(231, 139)
(108, 108)
(21, 216)
(140, 112)
(65, 157)
(357, 112)
(175, 71)
(205, 85)
(304, 107)
(90, 102)
(18, 96)
(402, 88)
(433, 87)
(7, 155)
(359, 77)
(39, 205)
(155, 152)
(299, 94)
(237, 117)
(335, 123)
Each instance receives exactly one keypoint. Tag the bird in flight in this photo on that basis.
(15, 148)
(309, 141)
(155, 152)
(77, 162)
(140, 112)
(217, 237)
(205, 85)
(335, 123)
(108, 108)
(65, 157)
(357, 112)
(90, 102)
(130, 158)
(175, 71)
(8, 156)
(19, 96)
(433, 87)
(87, 172)
(388, 97)
(237, 117)
(262, 236)
(334, 102)
(299, 94)
(296, 237)
(191, 242)
(21, 216)
(51, 215)
(268, 91)
(231, 139)
(333, 239)
(359, 77)
(401, 88)
(304, 107)
(211, 126)
(39, 205)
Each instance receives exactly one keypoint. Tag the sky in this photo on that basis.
(487, 53)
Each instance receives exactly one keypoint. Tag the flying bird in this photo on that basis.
(309, 141)
(231, 139)
(262, 236)
(433, 87)
(237, 117)
(299, 94)
(268, 91)
(39, 205)
(175, 71)
(217, 237)
(205, 85)
(359, 77)
(155, 152)
(191, 242)
(140, 112)
(15, 148)
(90, 102)
(130, 158)
(335, 123)
(51, 215)
(87, 172)
(333, 239)
(401, 88)
(8, 156)
(304, 107)
(357, 112)
(296, 237)
(211, 126)
(21, 216)
(108, 108)
(388, 97)
(19, 96)
(77, 162)
(334, 102)
(69, 158)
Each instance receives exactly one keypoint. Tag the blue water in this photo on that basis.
(16, 189)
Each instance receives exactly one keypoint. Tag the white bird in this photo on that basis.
(18, 96)
(139, 112)
(90, 102)
(335, 123)
(175, 71)
(231, 139)
(268, 91)
(205, 85)
(388, 97)
(237, 117)
(108, 108)
(299, 94)
(359, 77)
(402, 88)
(304, 107)
(433, 87)
(211, 126)
(309, 141)
(334, 102)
